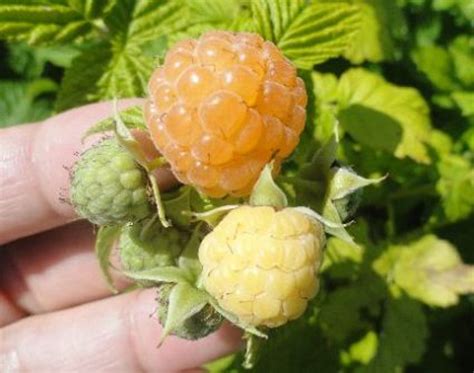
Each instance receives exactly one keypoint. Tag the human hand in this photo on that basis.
(56, 312)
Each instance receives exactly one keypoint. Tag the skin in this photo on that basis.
(56, 312)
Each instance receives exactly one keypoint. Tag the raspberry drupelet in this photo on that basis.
(223, 106)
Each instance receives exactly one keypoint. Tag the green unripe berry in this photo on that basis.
(108, 186)
(155, 246)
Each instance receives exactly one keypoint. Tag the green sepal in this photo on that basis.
(214, 216)
(343, 182)
(104, 243)
(178, 206)
(335, 224)
(345, 190)
(318, 168)
(184, 302)
(189, 260)
(253, 350)
(330, 212)
(266, 192)
(235, 320)
(126, 139)
(132, 117)
(161, 274)
(159, 203)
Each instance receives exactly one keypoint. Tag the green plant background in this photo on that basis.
(397, 77)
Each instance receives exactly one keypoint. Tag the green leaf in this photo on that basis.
(214, 11)
(363, 350)
(30, 62)
(40, 23)
(465, 101)
(456, 186)
(463, 7)
(345, 309)
(24, 102)
(104, 243)
(79, 83)
(381, 24)
(429, 270)
(369, 104)
(90, 8)
(207, 15)
(308, 34)
(436, 63)
(148, 19)
(160, 274)
(403, 337)
(273, 18)
(462, 53)
(184, 302)
(118, 68)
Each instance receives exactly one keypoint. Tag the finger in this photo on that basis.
(114, 334)
(34, 163)
(51, 271)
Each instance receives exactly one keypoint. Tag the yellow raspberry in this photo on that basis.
(262, 264)
(223, 106)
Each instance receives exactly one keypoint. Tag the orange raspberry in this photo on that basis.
(223, 106)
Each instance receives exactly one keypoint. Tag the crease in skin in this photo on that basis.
(15, 286)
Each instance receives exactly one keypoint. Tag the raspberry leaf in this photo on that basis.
(429, 270)
(79, 84)
(301, 30)
(20, 102)
(203, 16)
(403, 339)
(456, 186)
(117, 67)
(396, 117)
(382, 25)
(40, 22)
(104, 243)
